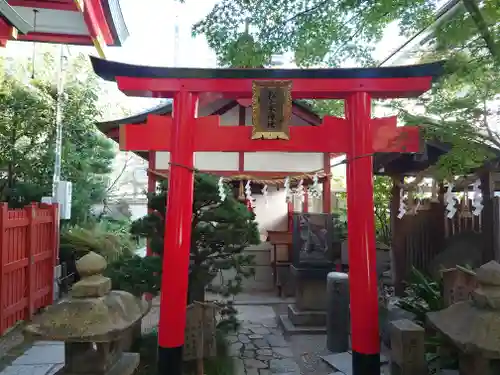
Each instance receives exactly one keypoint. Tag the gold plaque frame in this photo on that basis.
(283, 91)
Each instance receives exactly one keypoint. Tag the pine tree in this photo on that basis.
(220, 232)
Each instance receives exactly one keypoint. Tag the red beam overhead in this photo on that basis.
(380, 88)
(391, 82)
(333, 134)
(83, 40)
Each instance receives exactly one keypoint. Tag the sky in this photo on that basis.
(152, 28)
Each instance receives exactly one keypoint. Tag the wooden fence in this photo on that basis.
(417, 239)
(29, 242)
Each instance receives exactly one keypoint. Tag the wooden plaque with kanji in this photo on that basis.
(271, 109)
(200, 339)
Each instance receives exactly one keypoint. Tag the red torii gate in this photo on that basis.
(358, 135)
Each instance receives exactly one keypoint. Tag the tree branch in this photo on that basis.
(482, 27)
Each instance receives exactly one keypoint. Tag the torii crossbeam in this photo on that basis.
(357, 135)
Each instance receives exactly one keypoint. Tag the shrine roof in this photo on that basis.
(109, 70)
(99, 23)
(165, 108)
(12, 18)
(411, 164)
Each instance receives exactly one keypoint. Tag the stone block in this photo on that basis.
(310, 294)
(28, 370)
(340, 361)
(407, 348)
(458, 285)
(306, 317)
(42, 355)
(337, 318)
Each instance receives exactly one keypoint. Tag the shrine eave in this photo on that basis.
(13, 19)
(110, 70)
(393, 164)
(84, 22)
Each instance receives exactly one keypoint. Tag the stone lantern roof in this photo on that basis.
(474, 326)
(93, 312)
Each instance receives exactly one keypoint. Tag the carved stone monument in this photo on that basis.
(93, 323)
(313, 258)
(473, 327)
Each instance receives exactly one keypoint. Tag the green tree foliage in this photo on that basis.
(27, 138)
(316, 31)
(462, 108)
(220, 232)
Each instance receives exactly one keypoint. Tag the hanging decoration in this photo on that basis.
(300, 192)
(248, 194)
(222, 191)
(314, 189)
(288, 193)
(265, 195)
(402, 205)
(450, 201)
(477, 201)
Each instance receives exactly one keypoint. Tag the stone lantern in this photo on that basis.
(473, 327)
(93, 322)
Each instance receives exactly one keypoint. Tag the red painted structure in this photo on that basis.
(90, 22)
(213, 107)
(29, 252)
(358, 135)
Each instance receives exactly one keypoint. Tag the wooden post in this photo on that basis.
(327, 184)
(397, 236)
(31, 243)
(3, 260)
(487, 219)
(407, 348)
(151, 189)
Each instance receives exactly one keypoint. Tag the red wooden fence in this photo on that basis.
(29, 241)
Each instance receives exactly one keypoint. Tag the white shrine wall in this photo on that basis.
(253, 161)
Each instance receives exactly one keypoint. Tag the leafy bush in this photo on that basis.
(220, 233)
(112, 245)
(422, 295)
(135, 274)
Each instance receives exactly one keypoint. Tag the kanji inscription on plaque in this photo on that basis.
(271, 109)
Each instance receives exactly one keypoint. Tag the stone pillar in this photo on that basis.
(407, 348)
(337, 318)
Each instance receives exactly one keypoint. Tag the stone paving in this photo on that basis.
(259, 348)
(43, 358)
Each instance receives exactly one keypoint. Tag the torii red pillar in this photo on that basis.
(358, 136)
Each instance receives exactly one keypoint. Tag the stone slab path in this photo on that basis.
(259, 348)
(43, 358)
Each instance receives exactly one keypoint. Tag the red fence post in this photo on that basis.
(31, 242)
(55, 244)
(3, 261)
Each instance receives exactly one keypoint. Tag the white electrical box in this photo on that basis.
(63, 197)
(46, 200)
